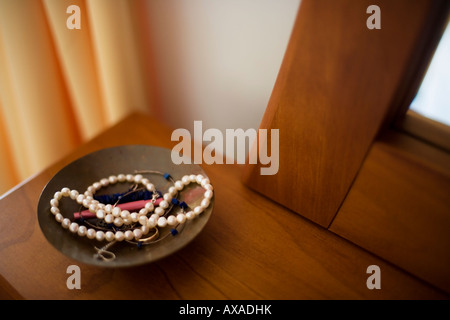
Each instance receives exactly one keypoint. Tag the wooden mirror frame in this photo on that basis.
(339, 85)
(345, 163)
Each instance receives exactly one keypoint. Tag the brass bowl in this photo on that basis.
(126, 159)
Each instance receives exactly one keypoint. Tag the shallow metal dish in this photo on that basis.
(112, 161)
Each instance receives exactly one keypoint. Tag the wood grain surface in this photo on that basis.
(425, 129)
(251, 248)
(399, 207)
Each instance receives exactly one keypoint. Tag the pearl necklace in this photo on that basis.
(113, 214)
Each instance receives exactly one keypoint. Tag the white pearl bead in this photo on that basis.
(86, 202)
(193, 178)
(116, 211)
(120, 236)
(129, 235)
(73, 227)
(80, 198)
(199, 179)
(121, 177)
(205, 203)
(143, 220)
(150, 187)
(164, 204)
(91, 233)
(54, 210)
(198, 210)
(185, 180)
(89, 193)
(104, 182)
(54, 203)
(172, 220)
(108, 208)
(190, 215)
(208, 187)
(159, 211)
(65, 223)
(155, 216)
(118, 222)
(167, 197)
(134, 217)
(109, 218)
(208, 194)
(125, 214)
(109, 236)
(145, 181)
(65, 192)
(152, 222)
(172, 191)
(112, 179)
(97, 185)
(181, 218)
(138, 178)
(93, 207)
(100, 235)
(179, 185)
(137, 233)
(205, 182)
(127, 221)
(149, 206)
(59, 217)
(130, 177)
(162, 222)
(145, 230)
(143, 211)
(100, 214)
(58, 195)
(73, 194)
(82, 230)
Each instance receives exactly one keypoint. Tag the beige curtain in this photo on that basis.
(60, 87)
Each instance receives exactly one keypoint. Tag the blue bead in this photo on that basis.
(183, 205)
(174, 201)
(166, 176)
(174, 232)
(139, 244)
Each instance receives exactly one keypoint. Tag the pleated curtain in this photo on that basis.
(60, 87)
